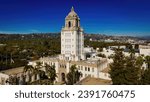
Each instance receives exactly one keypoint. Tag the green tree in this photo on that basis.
(42, 75)
(147, 61)
(38, 65)
(132, 71)
(73, 76)
(125, 70)
(139, 61)
(51, 73)
(145, 80)
(101, 55)
(136, 46)
(118, 68)
(132, 53)
(28, 68)
(13, 80)
(129, 46)
(34, 70)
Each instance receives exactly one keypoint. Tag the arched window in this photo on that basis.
(76, 23)
(63, 77)
(69, 24)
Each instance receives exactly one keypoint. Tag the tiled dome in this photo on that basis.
(72, 13)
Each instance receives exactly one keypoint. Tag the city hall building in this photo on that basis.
(72, 53)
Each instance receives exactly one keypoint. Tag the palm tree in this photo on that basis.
(28, 68)
(34, 70)
(38, 65)
(42, 75)
(73, 76)
(13, 80)
(51, 73)
(132, 53)
(37, 70)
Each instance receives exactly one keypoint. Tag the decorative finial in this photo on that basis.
(72, 9)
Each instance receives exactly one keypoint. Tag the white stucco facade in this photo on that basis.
(3, 78)
(91, 67)
(72, 38)
(145, 52)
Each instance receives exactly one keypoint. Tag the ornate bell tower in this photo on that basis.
(72, 38)
(72, 20)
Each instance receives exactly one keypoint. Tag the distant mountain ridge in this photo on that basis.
(145, 37)
(28, 36)
(48, 35)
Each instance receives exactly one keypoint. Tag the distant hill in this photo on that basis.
(27, 36)
(48, 35)
(145, 37)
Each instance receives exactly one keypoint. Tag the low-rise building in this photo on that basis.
(91, 67)
(144, 50)
(6, 74)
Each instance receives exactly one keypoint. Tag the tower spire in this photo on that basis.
(72, 9)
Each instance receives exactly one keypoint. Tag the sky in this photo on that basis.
(111, 17)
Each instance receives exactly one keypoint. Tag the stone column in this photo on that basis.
(27, 79)
(33, 78)
(67, 67)
(38, 77)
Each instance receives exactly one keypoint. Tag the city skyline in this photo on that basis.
(111, 17)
